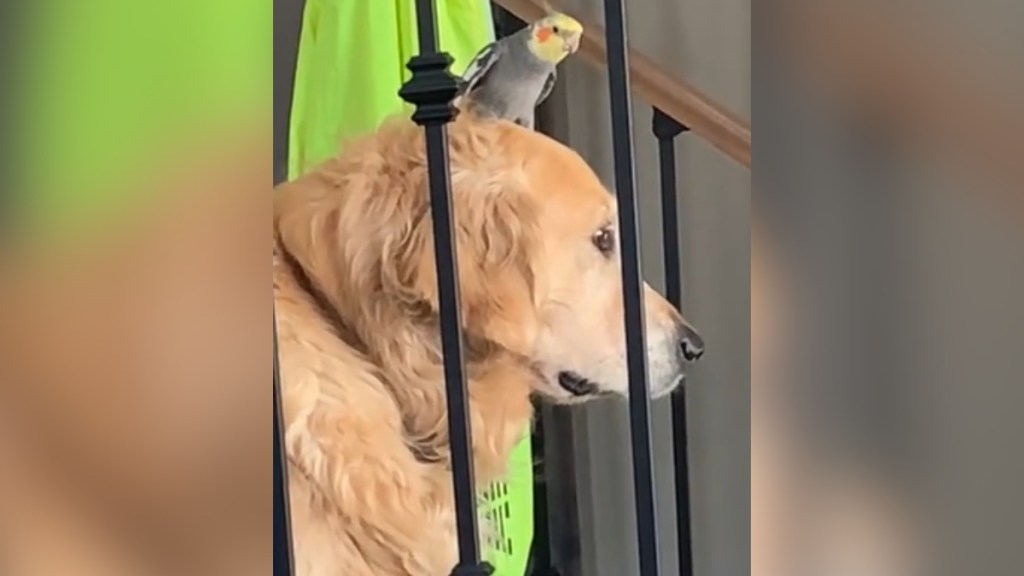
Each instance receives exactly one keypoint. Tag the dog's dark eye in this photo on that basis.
(604, 240)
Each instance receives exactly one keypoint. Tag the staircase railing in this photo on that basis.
(678, 107)
(679, 100)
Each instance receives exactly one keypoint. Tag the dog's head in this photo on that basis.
(538, 255)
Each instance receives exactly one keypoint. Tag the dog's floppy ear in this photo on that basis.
(307, 231)
(497, 247)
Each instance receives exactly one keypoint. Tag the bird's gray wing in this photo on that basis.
(549, 85)
(481, 64)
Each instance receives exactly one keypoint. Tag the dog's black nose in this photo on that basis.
(691, 344)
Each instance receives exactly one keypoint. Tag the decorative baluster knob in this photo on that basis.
(432, 89)
(666, 127)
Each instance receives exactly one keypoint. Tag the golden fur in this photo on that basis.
(356, 304)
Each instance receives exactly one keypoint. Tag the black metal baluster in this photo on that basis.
(287, 33)
(431, 89)
(284, 563)
(540, 562)
(287, 28)
(666, 129)
(632, 287)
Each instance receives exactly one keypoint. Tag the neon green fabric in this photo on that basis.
(351, 64)
(508, 507)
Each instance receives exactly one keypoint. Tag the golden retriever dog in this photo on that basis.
(356, 300)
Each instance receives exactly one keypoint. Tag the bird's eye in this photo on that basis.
(604, 240)
(554, 29)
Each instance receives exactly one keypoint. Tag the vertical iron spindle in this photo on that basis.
(431, 89)
(284, 564)
(541, 562)
(666, 129)
(632, 287)
(287, 30)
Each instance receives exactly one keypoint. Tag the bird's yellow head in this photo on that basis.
(554, 37)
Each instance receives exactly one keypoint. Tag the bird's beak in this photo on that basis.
(572, 44)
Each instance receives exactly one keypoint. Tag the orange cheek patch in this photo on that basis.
(543, 34)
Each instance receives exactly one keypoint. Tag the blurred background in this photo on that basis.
(885, 287)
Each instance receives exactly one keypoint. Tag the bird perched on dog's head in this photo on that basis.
(509, 78)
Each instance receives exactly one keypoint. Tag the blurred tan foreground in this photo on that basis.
(887, 276)
(135, 397)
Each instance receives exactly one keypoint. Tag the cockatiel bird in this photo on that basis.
(509, 78)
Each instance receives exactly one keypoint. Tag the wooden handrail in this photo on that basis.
(723, 129)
